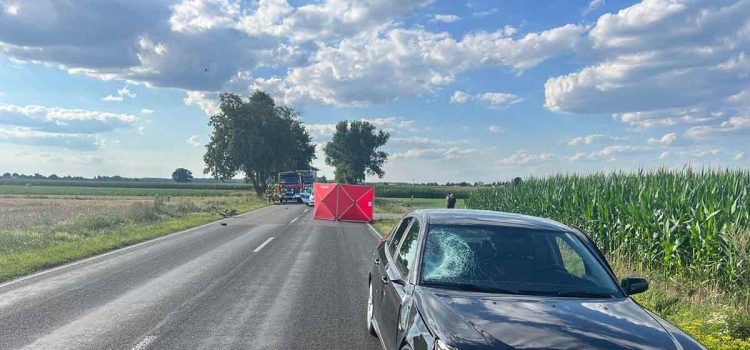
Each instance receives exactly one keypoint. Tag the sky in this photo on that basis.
(469, 91)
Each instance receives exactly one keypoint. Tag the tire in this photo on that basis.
(370, 313)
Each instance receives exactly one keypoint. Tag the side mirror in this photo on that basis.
(634, 285)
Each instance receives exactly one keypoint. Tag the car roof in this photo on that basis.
(492, 218)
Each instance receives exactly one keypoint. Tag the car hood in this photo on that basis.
(480, 320)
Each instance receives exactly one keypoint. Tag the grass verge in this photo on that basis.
(90, 235)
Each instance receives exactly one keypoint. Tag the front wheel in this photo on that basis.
(370, 313)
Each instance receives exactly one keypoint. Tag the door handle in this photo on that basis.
(384, 279)
(377, 261)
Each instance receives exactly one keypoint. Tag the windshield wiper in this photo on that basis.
(583, 294)
(472, 288)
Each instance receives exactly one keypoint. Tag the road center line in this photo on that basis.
(263, 245)
(143, 344)
(293, 220)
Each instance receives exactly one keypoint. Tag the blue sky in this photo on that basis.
(476, 91)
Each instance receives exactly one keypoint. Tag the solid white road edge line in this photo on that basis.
(263, 245)
(143, 344)
(374, 231)
(40, 273)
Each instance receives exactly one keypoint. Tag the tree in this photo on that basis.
(517, 181)
(6, 175)
(53, 177)
(354, 151)
(182, 175)
(256, 138)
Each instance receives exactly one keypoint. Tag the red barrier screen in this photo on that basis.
(343, 202)
(326, 200)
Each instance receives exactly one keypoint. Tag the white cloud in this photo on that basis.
(610, 152)
(666, 117)
(194, 140)
(391, 123)
(11, 8)
(499, 99)
(593, 5)
(26, 136)
(460, 97)
(321, 132)
(485, 12)
(439, 153)
(657, 56)
(63, 120)
(493, 99)
(201, 15)
(495, 129)
(207, 102)
(420, 140)
(594, 138)
(121, 94)
(738, 156)
(124, 92)
(523, 158)
(732, 126)
(701, 153)
(665, 155)
(375, 68)
(445, 18)
(111, 98)
(665, 140)
(146, 111)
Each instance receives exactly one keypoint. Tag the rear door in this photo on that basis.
(382, 256)
(397, 275)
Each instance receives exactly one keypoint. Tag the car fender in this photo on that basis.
(416, 333)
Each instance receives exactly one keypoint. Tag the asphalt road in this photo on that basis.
(271, 279)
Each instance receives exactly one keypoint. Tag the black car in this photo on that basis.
(468, 279)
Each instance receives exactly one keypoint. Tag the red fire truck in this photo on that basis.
(292, 183)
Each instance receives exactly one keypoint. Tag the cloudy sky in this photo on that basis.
(478, 91)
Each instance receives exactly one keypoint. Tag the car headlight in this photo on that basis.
(441, 345)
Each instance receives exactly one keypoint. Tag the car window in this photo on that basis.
(512, 260)
(407, 251)
(397, 234)
(572, 262)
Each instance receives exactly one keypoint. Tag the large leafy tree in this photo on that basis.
(182, 175)
(354, 151)
(256, 138)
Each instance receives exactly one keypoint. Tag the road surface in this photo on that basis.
(271, 279)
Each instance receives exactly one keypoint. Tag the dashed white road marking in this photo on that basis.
(293, 220)
(143, 344)
(263, 245)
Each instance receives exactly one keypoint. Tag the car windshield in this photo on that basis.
(513, 261)
(289, 179)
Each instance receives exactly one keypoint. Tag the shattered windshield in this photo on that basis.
(514, 261)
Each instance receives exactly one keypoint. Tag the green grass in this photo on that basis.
(29, 249)
(47, 191)
(127, 184)
(421, 191)
(404, 205)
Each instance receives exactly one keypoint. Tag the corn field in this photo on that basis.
(695, 223)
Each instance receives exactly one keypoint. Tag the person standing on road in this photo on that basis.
(451, 201)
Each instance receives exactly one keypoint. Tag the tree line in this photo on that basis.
(257, 139)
